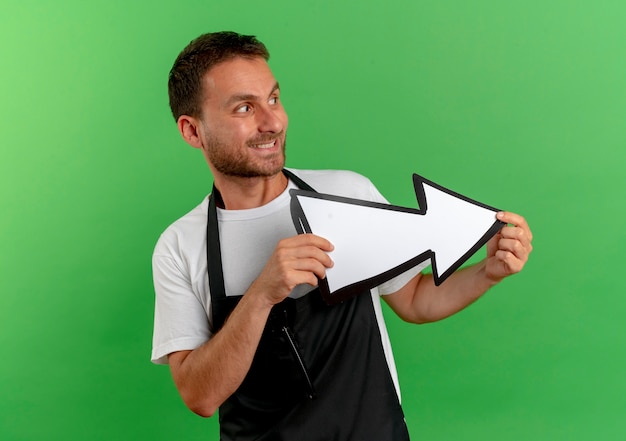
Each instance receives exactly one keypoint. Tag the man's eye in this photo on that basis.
(273, 100)
(243, 109)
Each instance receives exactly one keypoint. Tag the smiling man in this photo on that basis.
(238, 316)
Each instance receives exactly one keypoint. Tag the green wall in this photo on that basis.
(517, 104)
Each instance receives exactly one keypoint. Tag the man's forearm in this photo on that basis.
(208, 375)
(420, 301)
(460, 290)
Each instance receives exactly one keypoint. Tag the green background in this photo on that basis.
(517, 104)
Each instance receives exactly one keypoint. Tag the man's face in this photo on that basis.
(243, 124)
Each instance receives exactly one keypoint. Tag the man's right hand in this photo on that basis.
(296, 260)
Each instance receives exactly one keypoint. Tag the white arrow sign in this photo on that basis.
(375, 242)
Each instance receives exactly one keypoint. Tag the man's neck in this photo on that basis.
(244, 193)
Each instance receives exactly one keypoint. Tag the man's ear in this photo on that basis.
(188, 126)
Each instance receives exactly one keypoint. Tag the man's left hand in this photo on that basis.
(507, 251)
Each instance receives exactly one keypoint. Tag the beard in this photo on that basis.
(231, 162)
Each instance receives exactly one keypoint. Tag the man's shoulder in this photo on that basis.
(189, 228)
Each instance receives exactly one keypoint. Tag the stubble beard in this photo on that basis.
(226, 160)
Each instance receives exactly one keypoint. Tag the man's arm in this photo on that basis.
(208, 375)
(420, 301)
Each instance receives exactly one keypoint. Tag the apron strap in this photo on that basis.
(299, 182)
(214, 263)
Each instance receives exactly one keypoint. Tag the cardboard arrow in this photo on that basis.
(375, 242)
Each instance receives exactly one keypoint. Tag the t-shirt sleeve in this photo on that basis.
(180, 319)
(398, 282)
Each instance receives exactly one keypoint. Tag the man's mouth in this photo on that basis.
(267, 145)
(267, 142)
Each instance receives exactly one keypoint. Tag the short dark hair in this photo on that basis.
(200, 55)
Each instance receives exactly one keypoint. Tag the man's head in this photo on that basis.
(227, 102)
(208, 50)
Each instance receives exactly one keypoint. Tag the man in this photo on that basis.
(237, 314)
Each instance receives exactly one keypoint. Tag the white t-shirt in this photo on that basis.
(247, 238)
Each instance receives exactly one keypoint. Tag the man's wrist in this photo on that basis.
(483, 279)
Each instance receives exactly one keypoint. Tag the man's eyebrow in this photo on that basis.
(248, 97)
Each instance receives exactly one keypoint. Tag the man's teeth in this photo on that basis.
(265, 146)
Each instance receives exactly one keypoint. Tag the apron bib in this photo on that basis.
(319, 372)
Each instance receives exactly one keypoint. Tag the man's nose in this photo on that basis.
(270, 120)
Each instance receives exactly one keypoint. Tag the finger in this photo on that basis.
(311, 266)
(313, 253)
(300, 271)
(515, 219)
(308, 245)
(309, 252)
(285, 273)
(308, 278)
(306, 240)
(515, 247)
(511, 263)
(517, 233)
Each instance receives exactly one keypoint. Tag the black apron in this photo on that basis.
(319, 372)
